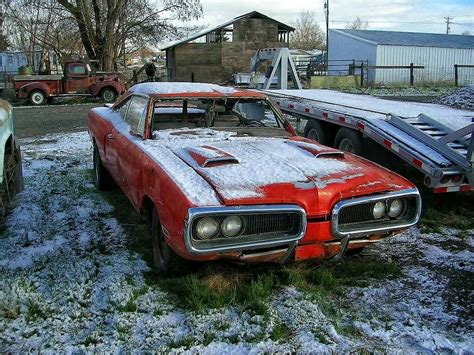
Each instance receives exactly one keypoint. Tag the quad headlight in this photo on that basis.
(395, 208)
(207, 228)
(231, 226)
(379, 210)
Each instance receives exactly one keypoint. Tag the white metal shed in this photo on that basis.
(438, 53)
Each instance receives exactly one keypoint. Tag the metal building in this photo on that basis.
(438, 53)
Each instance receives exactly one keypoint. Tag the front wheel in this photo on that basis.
(163, 256)
(108, 95)
(37, 97)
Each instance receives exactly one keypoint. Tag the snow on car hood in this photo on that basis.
(240, 167)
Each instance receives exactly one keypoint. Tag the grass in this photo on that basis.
(219, 285)
(447, 210)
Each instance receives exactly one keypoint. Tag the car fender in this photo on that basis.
(6, 132)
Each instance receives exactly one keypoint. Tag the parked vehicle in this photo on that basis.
(222, 174)
(11, 177)
(434, 139)
(78, 80)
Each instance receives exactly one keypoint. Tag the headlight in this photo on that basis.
(396, 208)
(379, 210)
(231, 226)
(207, 228)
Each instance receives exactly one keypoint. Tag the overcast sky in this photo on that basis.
(396, 15)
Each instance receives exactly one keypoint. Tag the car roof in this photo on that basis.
(180, 89)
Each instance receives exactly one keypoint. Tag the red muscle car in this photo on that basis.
(222, 174)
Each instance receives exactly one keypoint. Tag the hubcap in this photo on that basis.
(313, 134)
(108, 95)
(37, 98)
(346, 145)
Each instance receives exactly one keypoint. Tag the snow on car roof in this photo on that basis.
(170, 88)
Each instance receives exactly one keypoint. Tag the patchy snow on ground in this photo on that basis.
(69, 282)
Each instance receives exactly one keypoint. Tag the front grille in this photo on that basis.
(357, 213)
(271, 223)
(262, 224)
(360, 216)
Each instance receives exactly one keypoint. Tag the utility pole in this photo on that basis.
(326, 7)
(448, 22)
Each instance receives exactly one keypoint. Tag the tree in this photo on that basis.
(308, 35)
(357, 24)
(40, 28)
(108, 27)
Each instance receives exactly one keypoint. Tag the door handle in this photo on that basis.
(110, 136)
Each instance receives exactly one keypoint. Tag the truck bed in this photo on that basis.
(37, 77)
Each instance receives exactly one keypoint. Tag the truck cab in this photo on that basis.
(77, 78)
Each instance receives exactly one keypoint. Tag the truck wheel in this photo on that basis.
(37, 97)
(163, 257)
(315, 131)
(349, 141)
(108, 95)
(102, 178)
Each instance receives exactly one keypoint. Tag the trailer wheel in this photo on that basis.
(349, 141)
(108, 95)
(37, 97)
(315, 131)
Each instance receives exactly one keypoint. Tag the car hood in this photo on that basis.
(256, 170)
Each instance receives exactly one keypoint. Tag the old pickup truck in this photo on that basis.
(78, 80)
(222, 174)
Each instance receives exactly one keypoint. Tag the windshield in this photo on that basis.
(215, 113)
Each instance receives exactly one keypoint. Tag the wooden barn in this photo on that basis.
(214, 55)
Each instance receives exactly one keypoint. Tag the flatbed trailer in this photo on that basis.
(434, 139)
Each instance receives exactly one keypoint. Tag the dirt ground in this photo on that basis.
(37, 121)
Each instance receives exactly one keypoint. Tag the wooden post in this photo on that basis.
(361, 74)
(412, 77)
(456, 77)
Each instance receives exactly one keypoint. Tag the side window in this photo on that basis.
(124, 108)
(136, 114)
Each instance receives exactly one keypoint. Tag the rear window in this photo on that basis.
(77, 69)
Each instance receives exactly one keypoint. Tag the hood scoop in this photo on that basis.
(206, 157)
(316, 150)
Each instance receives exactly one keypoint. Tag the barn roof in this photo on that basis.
(415, 39)
(253, 14)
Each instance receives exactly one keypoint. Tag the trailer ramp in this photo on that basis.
(434, 139)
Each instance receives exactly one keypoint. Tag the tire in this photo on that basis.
(349, 141)
(108, 95)
(37, 98)
(102, 178)
(12, 182)
(315, 131)
(164, 259)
